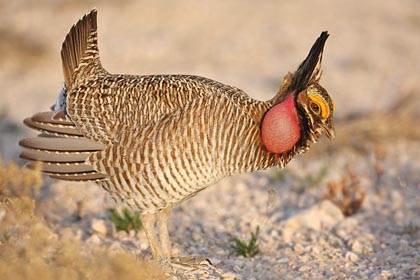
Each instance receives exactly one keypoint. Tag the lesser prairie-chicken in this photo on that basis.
(155, 141)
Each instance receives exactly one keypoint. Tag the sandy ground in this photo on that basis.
(371, 63)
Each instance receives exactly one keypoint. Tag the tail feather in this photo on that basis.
(60, 167)
(52, 123)
(54, 156)
(89, 176)
(53, 129)
(60, 144)
(63, 156)
(52, 117)
(80, 42)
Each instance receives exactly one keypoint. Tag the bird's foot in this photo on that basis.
(193, 268)
(190, 263)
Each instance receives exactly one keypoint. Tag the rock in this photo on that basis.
(132, 233)
(229, 276)
(324, 215)
(385, 274)
(304, 258)
(316, 250)
(144, 246)
(283, 260)
(94, 239)
(99, 226)
(215, 261)
(298, 248)
(240, 262)
(274, 233)
(352, 257)
(196, 236)
(237, 268)
(305, 268)
(115, 248)
(356, 246)
(122, 235)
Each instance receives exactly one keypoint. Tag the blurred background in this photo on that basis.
(371, 68)
(371, 60)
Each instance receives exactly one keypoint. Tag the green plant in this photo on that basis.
(250, 249)
(129, 220)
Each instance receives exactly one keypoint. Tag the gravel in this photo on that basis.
(301, 235)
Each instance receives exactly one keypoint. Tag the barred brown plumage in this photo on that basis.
(154, 141)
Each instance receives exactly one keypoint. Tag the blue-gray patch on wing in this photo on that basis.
(60, 104)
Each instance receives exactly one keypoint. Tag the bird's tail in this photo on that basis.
(80, 48)
(60, 148)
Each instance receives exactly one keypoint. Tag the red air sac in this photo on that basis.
(280, 129)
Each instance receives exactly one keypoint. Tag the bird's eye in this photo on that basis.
(319, 105)
(315, 108)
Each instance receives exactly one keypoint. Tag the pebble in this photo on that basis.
(305, 268)
(274, 233)
(298, 248)
(385, 274)
(144, 246)
(99, 226)
(304, 258)
(236, 268)
(283, 260)
(352, 257)
(121, 235)
(316, 250)
(196, 236)
(115, 247)
(94, 239)
(239, 264)
(215, 261)
(229, 276)
(356, 246)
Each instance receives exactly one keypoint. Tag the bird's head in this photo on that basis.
(303, 109)
(316, 110)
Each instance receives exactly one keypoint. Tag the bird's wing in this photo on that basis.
(106, 109)
(201, 136)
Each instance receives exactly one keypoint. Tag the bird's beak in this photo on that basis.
(329, 131)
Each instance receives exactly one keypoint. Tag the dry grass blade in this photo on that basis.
(30, 249)
(346, 194)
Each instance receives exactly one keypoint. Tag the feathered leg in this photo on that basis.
(149, 221)
(162, 219)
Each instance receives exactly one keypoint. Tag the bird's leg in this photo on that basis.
(162, 219)
(149, 221)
